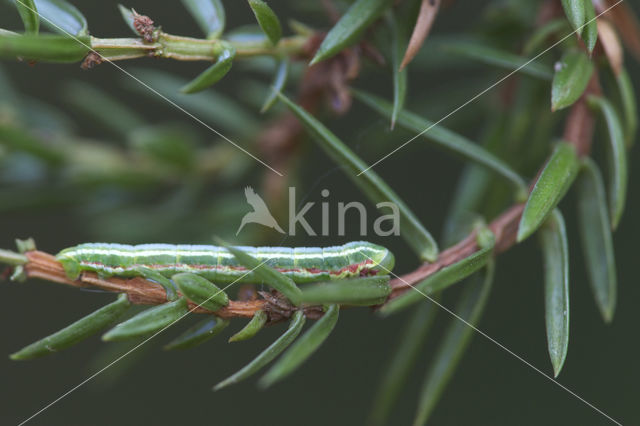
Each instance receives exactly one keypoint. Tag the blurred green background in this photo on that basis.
(337, 384)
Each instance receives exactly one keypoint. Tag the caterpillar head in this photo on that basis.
(380, 260)
(384, 261)
(69, 263)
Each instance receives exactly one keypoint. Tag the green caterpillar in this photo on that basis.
(217, 264)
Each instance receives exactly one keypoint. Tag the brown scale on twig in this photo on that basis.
(279, 307)
(91, 60)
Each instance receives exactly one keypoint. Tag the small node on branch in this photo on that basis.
(91, 60)
(144, 26)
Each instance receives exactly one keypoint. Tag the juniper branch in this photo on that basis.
(578, 132)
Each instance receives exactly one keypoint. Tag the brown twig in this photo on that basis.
(140, 291)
